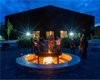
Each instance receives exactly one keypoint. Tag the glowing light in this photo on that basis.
(48, 60)
(61, 31)
(34, 59)
(28, 34)
(0, 36)
(49, 51)
(71, 34)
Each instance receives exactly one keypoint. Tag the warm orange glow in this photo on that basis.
(48, 60)
(49, 51)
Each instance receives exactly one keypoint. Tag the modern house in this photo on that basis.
(51, 20)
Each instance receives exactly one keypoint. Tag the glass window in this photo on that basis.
(63, 34)
(36, 34)
(48, 33)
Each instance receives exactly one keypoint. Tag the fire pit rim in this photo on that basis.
(22, 62)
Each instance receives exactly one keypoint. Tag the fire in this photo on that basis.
(49, 51)
(48, 60)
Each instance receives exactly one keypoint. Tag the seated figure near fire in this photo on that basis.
(50, 43)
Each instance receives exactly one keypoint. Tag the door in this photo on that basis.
(36, 34)
(48, 33)
(63, 34)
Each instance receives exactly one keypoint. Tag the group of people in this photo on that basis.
(83, 45)
(34, 45)
(51, 43)
(41, 43)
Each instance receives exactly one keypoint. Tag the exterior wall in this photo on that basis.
(51, 19)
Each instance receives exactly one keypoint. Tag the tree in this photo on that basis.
(9, 28)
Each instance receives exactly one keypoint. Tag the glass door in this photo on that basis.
(36, 34)
(63, 34)
(48, 33)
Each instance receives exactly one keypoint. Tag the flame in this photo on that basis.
(48, 60)
(49, 51)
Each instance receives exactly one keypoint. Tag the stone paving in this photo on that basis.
(88, 69)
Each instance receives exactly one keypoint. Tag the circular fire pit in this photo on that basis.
(32, 62)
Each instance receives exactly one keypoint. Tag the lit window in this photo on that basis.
(63, 34)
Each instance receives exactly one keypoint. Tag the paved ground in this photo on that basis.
(89, 68)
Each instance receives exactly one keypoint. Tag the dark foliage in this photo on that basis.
(65, 42)
(24, 42)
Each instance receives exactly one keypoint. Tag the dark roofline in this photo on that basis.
(51, 6)
(27, 10)
(72, 10)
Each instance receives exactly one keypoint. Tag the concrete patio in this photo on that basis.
(89, 68)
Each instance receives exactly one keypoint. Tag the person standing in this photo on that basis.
(35, 44)
(41, 43)
(83, 47)
(32, 45)
(58, 43)
(72, 45)
(79, 45)
(50, 43)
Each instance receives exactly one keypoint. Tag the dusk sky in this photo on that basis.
(91, 7)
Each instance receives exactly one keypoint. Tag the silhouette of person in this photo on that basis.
(83, 47)
(41, 43)
(35, 44)
(32, 46)
(72, 45)
(51, 43)
(58, 43)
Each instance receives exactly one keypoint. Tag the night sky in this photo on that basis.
(91, 7)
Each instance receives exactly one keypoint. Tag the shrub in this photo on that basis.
(96, 37)
(24, 42)
(65, 42)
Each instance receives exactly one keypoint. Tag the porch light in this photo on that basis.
(0, 36)
(28, 34)
(71, 34)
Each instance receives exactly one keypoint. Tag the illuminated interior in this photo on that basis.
(63, 34)
(48, 33)
(36, 34)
